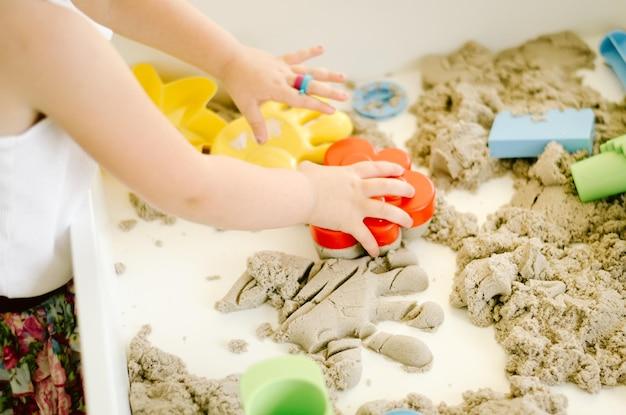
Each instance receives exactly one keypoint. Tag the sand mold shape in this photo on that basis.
(329, 308)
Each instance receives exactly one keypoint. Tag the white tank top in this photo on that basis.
(44, 179)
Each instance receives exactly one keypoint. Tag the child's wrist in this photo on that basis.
(231, 55)
(309, 196)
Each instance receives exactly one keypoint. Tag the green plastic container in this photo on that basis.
(600, 176)
(288, 385)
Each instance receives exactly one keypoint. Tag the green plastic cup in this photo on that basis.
(600, 176)
(287, 385)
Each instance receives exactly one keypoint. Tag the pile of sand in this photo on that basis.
(527, 396)
(548, 271)
(466, 89)
(160, 384)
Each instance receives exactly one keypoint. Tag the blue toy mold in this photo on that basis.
(379, 100)
(613, 49)
(514, 136)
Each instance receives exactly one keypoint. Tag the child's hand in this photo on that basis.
(343, 197)
(253, 76)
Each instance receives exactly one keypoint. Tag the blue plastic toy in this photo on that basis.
(513, 136)
(613, 49)
(379, 100)
(402, 412)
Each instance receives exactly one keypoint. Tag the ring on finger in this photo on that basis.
(303, 88)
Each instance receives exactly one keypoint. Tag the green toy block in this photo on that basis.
(286, 385)
(600, 176)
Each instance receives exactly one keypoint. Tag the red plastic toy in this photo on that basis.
(421, 206)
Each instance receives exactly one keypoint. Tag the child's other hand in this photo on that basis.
(253, 76)
(343, 197)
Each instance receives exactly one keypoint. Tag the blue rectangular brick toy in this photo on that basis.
(513, 136)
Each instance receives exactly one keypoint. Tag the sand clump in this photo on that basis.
(553, 284)
(527, 396)
(329, 308)
(465, 90)
(449, 226)
(120, 268)
(127, 225)
(549, 272)
(147, 212)
(160, 384)
(237, 346)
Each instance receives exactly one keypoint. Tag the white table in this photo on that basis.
(166, 288)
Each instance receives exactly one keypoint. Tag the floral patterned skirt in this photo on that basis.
(40, 359)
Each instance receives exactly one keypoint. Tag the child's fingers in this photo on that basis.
(382, 210)
(362, 234)
(319, 74)
(322, 90)
(255, 119)
(302, 55)
(369, 169)
(387, 187)
(293, 98)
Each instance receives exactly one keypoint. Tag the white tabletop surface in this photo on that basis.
(166, 288)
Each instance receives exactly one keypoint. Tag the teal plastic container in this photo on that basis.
(287, 385)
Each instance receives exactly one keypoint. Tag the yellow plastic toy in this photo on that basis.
(184, 101)
(294, 134)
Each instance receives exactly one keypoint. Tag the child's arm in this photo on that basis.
(59, 65)
(250, 75)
